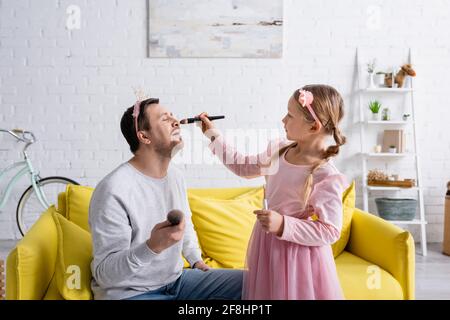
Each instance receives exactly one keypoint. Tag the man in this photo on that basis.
(137, 252)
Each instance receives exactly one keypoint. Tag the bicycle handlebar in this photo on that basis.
(22, 135)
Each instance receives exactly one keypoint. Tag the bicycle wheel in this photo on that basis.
(30, 208)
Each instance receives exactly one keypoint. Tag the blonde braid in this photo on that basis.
(330, 152)
(307, 188)
(340, 140)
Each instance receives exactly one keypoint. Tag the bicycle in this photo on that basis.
(35, 198)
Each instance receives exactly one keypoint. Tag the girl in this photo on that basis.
(289, 255)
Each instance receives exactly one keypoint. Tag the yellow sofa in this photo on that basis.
(377, 263)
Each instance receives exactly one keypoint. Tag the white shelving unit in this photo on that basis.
(367, 156)
(387, 122)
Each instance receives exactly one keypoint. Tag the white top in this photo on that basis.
(124, 208)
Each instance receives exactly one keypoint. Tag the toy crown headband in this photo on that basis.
(140, 96)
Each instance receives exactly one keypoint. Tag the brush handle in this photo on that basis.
(192, 120)
(266, 207)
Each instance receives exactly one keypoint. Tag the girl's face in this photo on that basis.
(295, 124)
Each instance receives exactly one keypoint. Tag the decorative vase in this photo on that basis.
(371, 82)
(379, 79)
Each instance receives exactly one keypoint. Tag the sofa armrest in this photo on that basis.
(385, 245)
(31, 264)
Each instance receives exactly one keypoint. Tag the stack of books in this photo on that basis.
(394, 138)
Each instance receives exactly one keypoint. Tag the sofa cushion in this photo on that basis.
(31, 264)
(77, 204)
(61, 208)
(53, 291)
(363, 280)
(224, 226)
(348, 205)
(74, 256)
(221, 193)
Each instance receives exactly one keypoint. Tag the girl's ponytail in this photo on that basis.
(330, 152)
(334, 149)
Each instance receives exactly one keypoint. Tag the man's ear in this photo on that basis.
(144, 138)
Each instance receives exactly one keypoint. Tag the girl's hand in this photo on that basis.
(206, 123)
(271, 221)
(208, 129)
(309, 211)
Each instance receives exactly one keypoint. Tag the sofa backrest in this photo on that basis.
(232, 206)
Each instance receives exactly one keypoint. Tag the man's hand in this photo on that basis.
(201, 265)
(271, 221)
(165, 235)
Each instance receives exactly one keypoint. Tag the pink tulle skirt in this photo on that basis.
(282, 270)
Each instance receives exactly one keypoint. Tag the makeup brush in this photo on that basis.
(175, 216)
(266, 207)
(192, 120)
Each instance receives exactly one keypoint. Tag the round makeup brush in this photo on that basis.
(175, 216)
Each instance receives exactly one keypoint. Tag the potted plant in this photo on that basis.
(392, 149)
(375, 107)
(406, 116)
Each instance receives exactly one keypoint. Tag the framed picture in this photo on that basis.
(215, 28)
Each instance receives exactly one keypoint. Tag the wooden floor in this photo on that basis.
(432, 272)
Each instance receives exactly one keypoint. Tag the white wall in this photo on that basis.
(71, 88)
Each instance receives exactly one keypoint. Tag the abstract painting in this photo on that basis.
(215, 28)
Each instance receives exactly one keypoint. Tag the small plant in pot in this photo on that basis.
(392, 149)
(375, 107)
(386, 114)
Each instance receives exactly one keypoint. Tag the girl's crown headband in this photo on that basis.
(305, 99)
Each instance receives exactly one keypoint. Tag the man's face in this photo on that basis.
(164, 132)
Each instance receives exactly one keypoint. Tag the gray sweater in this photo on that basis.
(124, 208)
